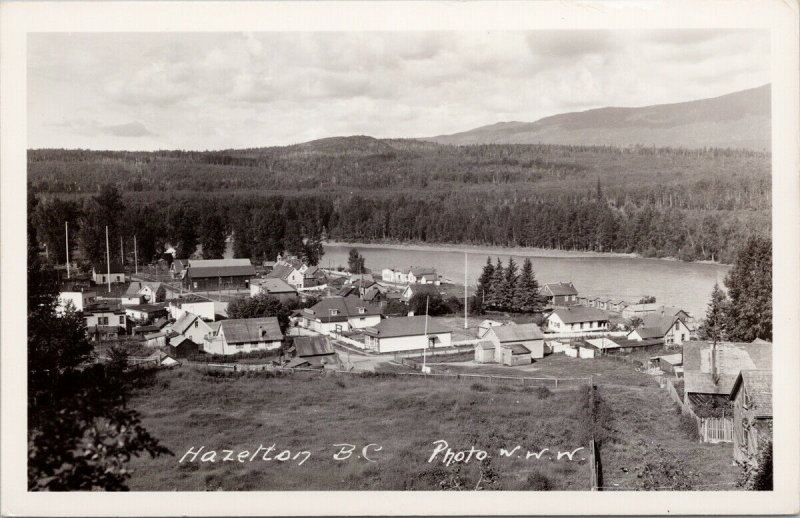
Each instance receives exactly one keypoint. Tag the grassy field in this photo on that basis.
(403, 416)
(638, 424)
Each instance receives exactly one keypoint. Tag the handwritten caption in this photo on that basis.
(441, 453)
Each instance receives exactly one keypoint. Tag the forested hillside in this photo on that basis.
(692, 204)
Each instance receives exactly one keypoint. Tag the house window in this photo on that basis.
(334, 312)
(121, 320)
(239, 346)
(362, 310)
(196, 323)
(581, 325)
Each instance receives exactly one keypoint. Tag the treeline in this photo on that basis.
(506, 288)
(690, 204)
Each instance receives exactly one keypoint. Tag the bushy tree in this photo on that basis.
(80, 434)
(49, 219)
(107, 209)
(508, 287)
(485, 282)
(749, 285)
(212, 235)
(355, 261)
(435, 304)
(183, 230)
(260, 306)
(494, 297)
(647, 299)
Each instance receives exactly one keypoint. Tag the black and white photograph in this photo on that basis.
(515, 261)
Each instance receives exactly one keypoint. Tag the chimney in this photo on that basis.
(261, 331)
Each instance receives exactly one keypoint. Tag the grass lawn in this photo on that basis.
(638, 422)
(404, 416)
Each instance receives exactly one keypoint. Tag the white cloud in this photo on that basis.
(223, 90)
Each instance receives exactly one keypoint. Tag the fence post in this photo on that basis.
(556, 382)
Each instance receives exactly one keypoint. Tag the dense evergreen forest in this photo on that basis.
(685, 203)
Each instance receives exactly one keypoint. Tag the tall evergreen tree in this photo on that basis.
(494, 295)
(528, 298)
(355, 261)
(508, 290)
(107, 209)
(484, 282)
(212, 235)
(749, 285)
(714, 327)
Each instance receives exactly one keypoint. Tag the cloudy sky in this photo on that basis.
(233, 90)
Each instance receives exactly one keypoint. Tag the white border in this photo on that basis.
(17, 19)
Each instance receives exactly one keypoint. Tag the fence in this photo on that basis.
(710, 429)
(442, 351)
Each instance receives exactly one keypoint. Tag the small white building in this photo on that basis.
(671, 330)
(101, 273)
(484, 327)
(528, 335)
(194, 304)
(423, 275)
(576, 319)
(340, 314)
(244, 335)
(407, 334)
(484, 352)
(78, 299)
(193, 327)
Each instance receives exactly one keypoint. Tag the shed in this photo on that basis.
(484, 352)
(528, 335)
(182, 347)
(515, 354)
(316, 350)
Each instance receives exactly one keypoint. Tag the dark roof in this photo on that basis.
(190, 298)
(406, 326)
(758, 384)
(575, 314)
(517, 333)
(625, 343)
(346, 307)
(313, 345)
(220, 268)
(180, 264)
(647, 333)
(104, 267)
(240, 330)
(517, 348)
(732, 358)
(147, 308)
(424, 289)
(559, 288)
(183, 323)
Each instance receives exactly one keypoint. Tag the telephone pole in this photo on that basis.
(108, 261)
(135, 256)
(465, 291)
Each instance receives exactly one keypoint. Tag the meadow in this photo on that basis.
(394, 421)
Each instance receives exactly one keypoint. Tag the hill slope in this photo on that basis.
(736, 120)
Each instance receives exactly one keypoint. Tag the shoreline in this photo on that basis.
(502, 250)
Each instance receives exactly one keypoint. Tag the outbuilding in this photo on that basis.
(484, 352)
(528, 335)
(513, 354)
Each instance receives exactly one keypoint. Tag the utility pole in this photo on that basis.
(425, 349)
(466, 302)
(66, 232)
(108, 261)
(135, 256)
(121, 253)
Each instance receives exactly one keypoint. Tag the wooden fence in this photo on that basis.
(710, 429)
(440, 351)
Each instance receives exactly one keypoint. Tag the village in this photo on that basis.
(174, 314)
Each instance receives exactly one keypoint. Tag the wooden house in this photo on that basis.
(243, 335)
(340, 314)
(407, 334)
(317, 351)
(528, 335)
(274, 287)
(218, 274)
(576, 319)
(752, 413)
(559, 293)
(102, 272)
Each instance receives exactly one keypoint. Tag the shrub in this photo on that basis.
(543, 392)
(688, 426)
(479, 387)
(340, 383)
(539, 482)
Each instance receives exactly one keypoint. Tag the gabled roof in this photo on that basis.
(136, 286)
(420, 271)
(647, 333)
(575, 314)
(199, 268)
(104, 268)
(313, 345)
(424, 289)
(758, 385)
(559, 288)
(281, 271)
(182, 324)
(406, 326)
(179, 264)
(240, 330)
(485, 345)
(517, 333)
(345, 306)
(190, 298)
(731, 358)
(274, 285)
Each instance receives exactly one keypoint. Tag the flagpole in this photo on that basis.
(465, 291)
(66, 233)
(108, 261)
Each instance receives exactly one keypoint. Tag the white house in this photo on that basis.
(406, 334)
(104, 321)
(148, 291)
(340, 314)
(423, 275)
(145, 312)
(671, 329)
(527, 335)
(101, 273)
(484, 327)
(193, 327)
(194, 304)
(387, 274)
(79, 300)
(576, 319)
(287, 273)
(243, 335)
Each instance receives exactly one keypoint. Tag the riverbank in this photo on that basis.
(492, 250)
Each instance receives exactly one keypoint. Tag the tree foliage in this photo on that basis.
(80, 434)
(508, 289)
(355, 261)
(260, 306)
(749, 285)
(433, 301)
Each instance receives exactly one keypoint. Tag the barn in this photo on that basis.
(218, 274)
(528, 335)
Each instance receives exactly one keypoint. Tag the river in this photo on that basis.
(682, 284)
